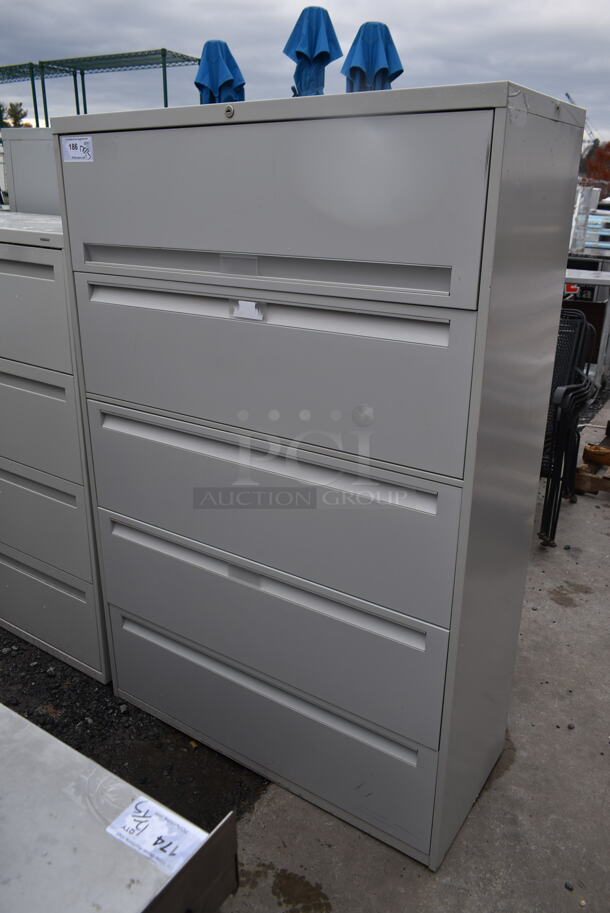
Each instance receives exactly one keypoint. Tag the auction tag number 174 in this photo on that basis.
(157, 833)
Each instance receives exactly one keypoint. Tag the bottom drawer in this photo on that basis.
(56, 611)
(386, 786)
(388, 674)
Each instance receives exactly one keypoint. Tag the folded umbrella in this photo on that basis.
(218, 78)
(312, 45)
(372, 61)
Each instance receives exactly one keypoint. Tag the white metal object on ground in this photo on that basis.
(58, 857)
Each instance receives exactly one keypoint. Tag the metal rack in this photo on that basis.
(571, 389)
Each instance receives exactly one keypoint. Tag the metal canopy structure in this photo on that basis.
(159, 58)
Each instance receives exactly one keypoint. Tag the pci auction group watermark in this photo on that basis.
(255, 497)
(254, 458)
(246, 497)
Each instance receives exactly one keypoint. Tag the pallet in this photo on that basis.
(592, 478)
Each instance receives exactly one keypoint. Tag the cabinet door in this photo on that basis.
(393, 387)
(391, 203)
(353, 771)
(33, 307)
(54, 609)
(44, 517)
(38, 419)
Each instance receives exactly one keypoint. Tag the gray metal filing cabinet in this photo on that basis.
(317, 337)
(49, 590)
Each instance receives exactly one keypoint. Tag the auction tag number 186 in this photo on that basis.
(77, 148)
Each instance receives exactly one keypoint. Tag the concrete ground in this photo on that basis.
(543, 819)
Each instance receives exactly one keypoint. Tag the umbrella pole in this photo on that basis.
(164, 74)
(83, 93)
(74, 80)
(34, 99)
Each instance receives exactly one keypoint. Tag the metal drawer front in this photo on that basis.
(314, 645)
(284, 194)
(38, 424)
(381, 783)
(392, 388)
(44, 517)
(33, 307)
(391, 544)
(49, 606)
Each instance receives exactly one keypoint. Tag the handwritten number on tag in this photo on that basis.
(164, 846)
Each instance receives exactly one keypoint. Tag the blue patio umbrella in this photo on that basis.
(372, 61)
(312, 45)
(218, 78)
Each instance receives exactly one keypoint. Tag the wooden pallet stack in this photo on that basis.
(593, 475)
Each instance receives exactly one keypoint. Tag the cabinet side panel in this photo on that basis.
(531, 194)
(30, 171)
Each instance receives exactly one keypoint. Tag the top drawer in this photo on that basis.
(373, 207)
(33, 307)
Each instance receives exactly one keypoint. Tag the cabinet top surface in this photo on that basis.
(397, 101)
(16, 134)
(34, 229)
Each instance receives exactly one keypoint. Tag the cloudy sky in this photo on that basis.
(551, 45)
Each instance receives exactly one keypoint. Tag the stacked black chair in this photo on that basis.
(570, 391)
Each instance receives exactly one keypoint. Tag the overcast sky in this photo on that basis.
(550, 45)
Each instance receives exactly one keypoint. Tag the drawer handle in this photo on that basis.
(378, 742)
(401, 633)
(28, 571)
(398, 328)
(420, 331)
(153, 300)
(413, 277)
(54, 494)
(354, 488)
(30, 270)
(41, 388)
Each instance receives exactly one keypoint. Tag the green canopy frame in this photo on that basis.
(160, 58)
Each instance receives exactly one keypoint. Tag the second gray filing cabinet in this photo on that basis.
(49, 589)
(316, 397)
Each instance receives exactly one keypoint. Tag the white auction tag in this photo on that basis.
(157, 833)
(77, 148)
